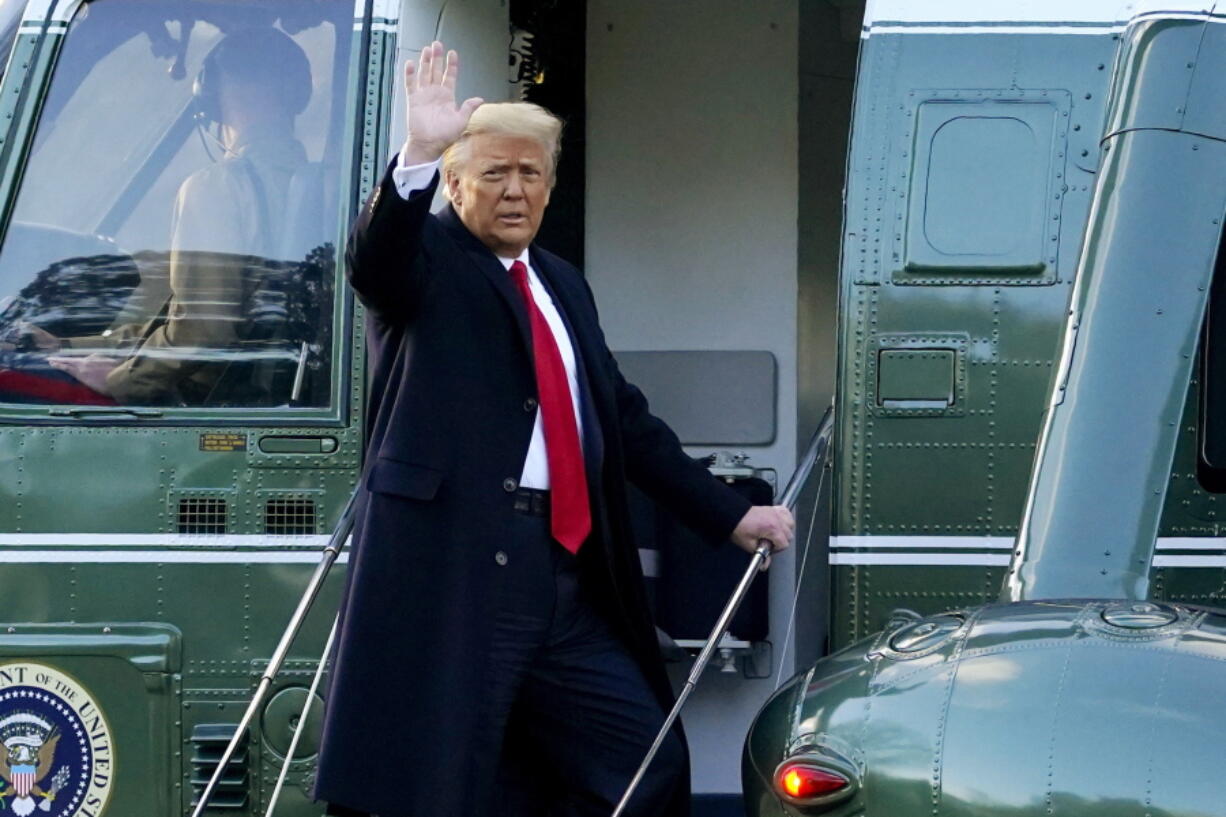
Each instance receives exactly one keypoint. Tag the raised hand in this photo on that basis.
(434, 119)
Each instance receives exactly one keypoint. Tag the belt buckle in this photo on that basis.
(523, 501)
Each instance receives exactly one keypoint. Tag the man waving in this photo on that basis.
(497, 655)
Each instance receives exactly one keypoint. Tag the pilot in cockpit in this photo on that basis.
(227, 217)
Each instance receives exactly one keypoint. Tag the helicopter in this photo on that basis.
(154, 541)
(1047, 236)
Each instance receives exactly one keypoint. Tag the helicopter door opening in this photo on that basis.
(1211, 440)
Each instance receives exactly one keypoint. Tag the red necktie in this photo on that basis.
(570, 514)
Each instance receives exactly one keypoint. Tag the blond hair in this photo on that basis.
(524, 119)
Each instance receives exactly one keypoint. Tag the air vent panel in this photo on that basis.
(209, 741)
(290, 517)
(202, 515)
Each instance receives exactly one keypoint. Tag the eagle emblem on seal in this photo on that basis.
(28, 743)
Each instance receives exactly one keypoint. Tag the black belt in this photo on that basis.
(532, 501)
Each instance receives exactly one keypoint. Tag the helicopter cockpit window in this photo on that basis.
(173, 240)
(10, 18)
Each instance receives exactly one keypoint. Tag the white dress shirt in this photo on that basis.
(535, 474)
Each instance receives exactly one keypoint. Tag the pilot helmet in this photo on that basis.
(261, 54)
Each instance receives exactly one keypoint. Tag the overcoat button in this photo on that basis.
(500, 558)
(530, 404)
(509, 485)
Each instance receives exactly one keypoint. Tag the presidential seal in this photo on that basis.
(56, 756)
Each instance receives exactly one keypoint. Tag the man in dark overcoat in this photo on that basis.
(496, 653)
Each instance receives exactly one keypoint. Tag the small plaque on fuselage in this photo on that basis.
(223, 442)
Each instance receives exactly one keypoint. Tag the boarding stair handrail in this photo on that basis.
(817, 450)
(336, 543)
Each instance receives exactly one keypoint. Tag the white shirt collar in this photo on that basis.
(523, 256)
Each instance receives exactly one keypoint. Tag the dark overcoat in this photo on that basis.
(452, 406)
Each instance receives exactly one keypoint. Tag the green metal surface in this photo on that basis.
(1143, 283)
(168, 631)
(908, 378)
(131, 672)
(1030, 708)
(998, 301)
(1092, 525)
(1099, 705)
(21, 95)
(961, 474)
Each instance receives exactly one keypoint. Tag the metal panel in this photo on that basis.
(915, 356)
(1204, 112)
(1159, 207)
(983, 167)
(920, 376)
(961, 471)
(709, 398)
(1156, 67)
(115, 684)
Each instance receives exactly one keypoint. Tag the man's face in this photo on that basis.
(501, 191)
(244, 104)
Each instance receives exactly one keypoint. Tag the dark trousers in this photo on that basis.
(566, 701)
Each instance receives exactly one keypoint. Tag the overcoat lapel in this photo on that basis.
(582, 331)
(490, 266)
(625, 600)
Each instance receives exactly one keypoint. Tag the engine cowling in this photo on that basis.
(1034, 708)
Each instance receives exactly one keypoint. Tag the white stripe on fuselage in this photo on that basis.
(929, 542)
(1002, 28)
(933, 551)
(921, 559)
(164, 557)
(170, 540)
(85, 548)
(93, 548)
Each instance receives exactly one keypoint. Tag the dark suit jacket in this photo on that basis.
(450, 374)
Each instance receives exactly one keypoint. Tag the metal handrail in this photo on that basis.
(817, 449)
(336, 543)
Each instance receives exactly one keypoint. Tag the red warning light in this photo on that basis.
(803, 782)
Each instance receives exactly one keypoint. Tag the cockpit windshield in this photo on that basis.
(10, 18)
(173, 239)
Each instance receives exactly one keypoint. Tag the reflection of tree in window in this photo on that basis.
(221, 212)
(238, 311)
